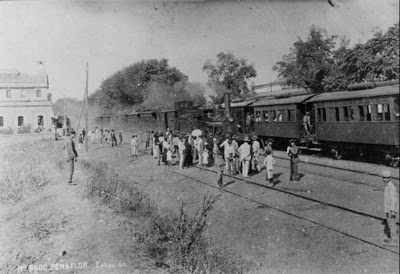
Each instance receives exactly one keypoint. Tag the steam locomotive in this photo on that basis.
(361, 123)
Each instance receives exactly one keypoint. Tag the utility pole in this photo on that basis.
(86, 109)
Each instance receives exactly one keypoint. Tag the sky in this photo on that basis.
(110, 35)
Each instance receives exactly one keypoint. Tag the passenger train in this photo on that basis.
(361, 123)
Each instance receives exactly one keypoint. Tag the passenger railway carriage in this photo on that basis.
(362, 123)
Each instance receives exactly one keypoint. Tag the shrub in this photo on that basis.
(24, 129)
(7, 131)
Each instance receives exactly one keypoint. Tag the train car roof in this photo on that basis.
(365, 93)
(239, 104)
(147, 112)
(282, 101)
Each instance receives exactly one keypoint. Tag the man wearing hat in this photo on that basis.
(391, 208)
(245, 156)
(229, 152)
(256, 154)
(236, 162)
(293, 153)
(134, 144)
(70, 154)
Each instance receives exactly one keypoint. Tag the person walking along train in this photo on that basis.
(391, 208)
(293, 153)
(245, 156)
(70, 154)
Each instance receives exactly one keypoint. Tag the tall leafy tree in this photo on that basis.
(318, 65)
(229, 74)
(127, 87)
(309, 61)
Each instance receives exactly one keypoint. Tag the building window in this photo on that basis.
(1, 121)
(321, 114)
(20, 121)
(40, 120)
(8, 93)
(239, 115)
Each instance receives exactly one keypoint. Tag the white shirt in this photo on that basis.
(256, 148)
(228, 148)
(244, 150)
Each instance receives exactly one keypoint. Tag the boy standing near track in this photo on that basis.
(391, 208)
(269, 163)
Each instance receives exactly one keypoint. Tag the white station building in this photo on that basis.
(24, 102)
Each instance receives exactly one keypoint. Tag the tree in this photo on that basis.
(127, 87)
(318, 66)
(308, 62)
(229, 74)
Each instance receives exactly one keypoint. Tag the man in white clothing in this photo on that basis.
(245, 156)
(255, 160)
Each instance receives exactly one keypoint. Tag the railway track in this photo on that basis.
(363, 217)
(366, 217)
(337, 168)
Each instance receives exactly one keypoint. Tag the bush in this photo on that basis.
(43, 226)
(174, 241)
(24, 129)
(7, 131)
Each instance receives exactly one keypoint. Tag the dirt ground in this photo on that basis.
(89, 238)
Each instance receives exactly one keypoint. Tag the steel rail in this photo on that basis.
(288, 213)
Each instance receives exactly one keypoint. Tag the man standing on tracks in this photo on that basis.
(70, 154)
(391, 208)
(293, 153)
(255, 161)
(245, 156)
(236, 156)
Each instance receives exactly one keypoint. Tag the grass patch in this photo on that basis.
(21, 179)
(42, 225)
(175, 241)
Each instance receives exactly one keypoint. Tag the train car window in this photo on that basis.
(346, 113)
(258, 116)
(379, 114)
(239, 115)
(321, 114)
(279, 116)
(265, 116)
(368, 111)
(386, 112)
(290, 115)
(1, 121)
(272, 114)
(351, 113)
(336, 114)
(361, 113)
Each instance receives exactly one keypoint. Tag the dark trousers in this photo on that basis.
(71, 169)
(294, 166)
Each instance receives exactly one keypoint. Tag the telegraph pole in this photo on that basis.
(86, 110)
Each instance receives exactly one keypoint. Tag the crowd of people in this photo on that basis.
(223, 152)
(101, 135)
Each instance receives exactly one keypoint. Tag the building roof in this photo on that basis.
(282, 101)
(15, 79)
(365, 93)
(27, 103)
(239, 104)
